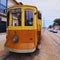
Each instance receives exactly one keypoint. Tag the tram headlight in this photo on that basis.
(15, 39)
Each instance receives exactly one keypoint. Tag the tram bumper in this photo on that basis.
(22, 41)
(23, 48)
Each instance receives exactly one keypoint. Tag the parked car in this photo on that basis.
(53, 30)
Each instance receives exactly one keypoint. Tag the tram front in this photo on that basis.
(21, 29)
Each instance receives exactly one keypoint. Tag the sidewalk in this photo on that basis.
(2, 41)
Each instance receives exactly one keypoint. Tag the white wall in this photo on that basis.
(4, 19)
(11, 3)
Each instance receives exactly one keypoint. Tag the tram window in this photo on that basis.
(16, 19)
(28, 18)
(39, 15)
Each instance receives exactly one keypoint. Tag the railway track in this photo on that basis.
(58, 35)
(55, 39)
(20, 56)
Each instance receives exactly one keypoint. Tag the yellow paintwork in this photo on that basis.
(21, 28)
(39, 25)
(24, 7)
(10, 21)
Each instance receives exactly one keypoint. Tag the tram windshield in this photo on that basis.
(16, 17)
(28, 18)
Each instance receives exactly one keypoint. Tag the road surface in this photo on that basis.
(49, 49)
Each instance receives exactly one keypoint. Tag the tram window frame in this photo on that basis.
(8, 16)
(39, 15)
(19, 16)
(27, 13)
(17, 21)
(17, 10)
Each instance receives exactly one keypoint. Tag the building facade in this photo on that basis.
(12, 3)
(4, 4)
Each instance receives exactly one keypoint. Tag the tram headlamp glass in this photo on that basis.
(15, 39)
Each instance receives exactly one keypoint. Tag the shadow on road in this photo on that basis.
(20, 56)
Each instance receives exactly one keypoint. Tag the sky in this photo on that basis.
(50, 9)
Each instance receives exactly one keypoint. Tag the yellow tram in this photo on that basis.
(23, 28)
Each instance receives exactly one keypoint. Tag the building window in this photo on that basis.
(3, 2)
(3, 6)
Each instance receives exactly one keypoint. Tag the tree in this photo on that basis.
(57, 22)
(54, 24)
